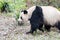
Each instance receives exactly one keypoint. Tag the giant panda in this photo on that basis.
(41, 15)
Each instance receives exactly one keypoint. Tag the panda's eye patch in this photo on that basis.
(21, 17)
(25, 11)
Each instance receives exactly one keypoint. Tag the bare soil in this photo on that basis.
(10, 30)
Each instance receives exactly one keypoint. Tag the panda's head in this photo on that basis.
(25, 15)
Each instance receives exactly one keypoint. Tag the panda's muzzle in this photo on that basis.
(20, 23)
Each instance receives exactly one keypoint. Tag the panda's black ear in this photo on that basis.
(25, 11)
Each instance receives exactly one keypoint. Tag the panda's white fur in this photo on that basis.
(51, 14)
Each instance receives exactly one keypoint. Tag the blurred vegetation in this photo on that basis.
(17, 5)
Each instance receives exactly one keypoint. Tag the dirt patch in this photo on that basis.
(9, 30)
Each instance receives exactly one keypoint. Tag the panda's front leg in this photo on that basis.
(33, 28)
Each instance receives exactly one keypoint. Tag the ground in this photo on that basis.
(10, 30)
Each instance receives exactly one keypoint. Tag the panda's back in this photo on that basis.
(51, 14)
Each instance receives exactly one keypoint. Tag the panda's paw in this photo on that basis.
(29, 32)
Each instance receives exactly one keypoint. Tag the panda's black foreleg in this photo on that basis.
(47, 27)
(33, 28)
